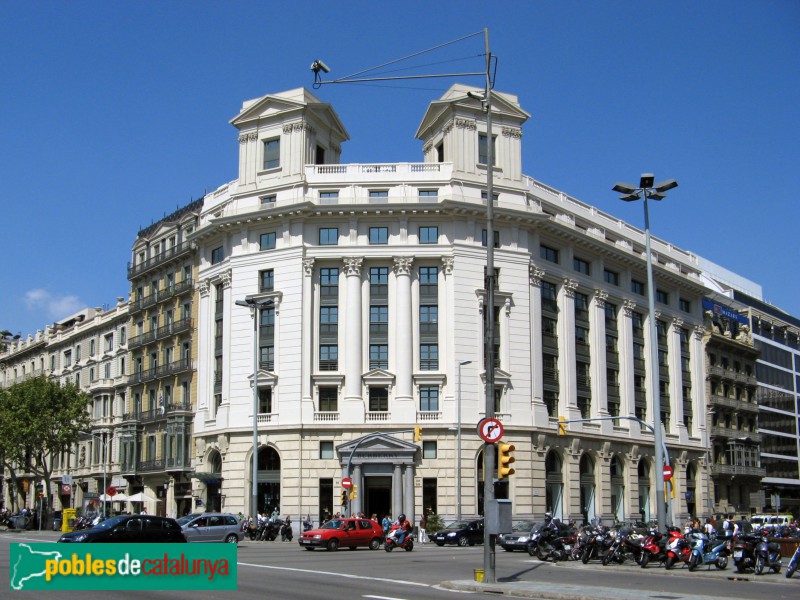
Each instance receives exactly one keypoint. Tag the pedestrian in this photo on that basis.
(386, 523)
(709, 528)
(423, 525)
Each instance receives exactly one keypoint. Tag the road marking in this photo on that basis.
(24, 539)
(383, 597)
(334, 574)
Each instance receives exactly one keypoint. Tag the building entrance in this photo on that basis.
(378, 496)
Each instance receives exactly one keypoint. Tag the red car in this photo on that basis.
(349, 533)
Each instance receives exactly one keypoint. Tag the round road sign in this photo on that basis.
(490, 430)
(111, 491)
(347, 483)
(667, 472)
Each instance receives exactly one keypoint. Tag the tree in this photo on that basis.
(39, 419)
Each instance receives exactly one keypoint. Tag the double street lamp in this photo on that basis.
(255, 304)
(105, 440)
(647, 189)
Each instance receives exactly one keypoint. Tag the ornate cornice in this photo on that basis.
(466, 124)
(512, 132)
(296, 127)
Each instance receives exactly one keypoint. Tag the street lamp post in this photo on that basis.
(648, 189)
(105, 441)
(255, 305)
(461, 363)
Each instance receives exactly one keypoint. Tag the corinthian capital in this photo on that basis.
(352, 266)
(402, 265)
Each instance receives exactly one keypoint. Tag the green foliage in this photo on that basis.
(38, 419)
(434, 523)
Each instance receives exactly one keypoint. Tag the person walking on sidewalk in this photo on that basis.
(423, 525)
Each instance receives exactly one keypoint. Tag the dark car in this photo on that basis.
(129, 529)
(463, 533)
(348, 533)
(212, 527)
(518, 537)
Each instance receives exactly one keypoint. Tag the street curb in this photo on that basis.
(520, 589)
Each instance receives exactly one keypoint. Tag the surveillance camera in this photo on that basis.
(318, 66)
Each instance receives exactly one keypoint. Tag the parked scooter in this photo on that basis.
(744, 551)
(793, 563)
(768, 556)
(654, 547)
(706, 551)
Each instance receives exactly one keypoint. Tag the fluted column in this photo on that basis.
(353, 402)
(408, 493)
(307, 346)
(397, 490)
(535, 275)
(403, 404)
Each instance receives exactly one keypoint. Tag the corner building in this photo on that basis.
(373, 282)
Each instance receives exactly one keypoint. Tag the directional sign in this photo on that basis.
(347, 483)
(490, 430)
(667, 472)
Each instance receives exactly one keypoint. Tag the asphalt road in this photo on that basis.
(275, 570)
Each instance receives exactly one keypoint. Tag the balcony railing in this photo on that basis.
(428, 415)
(378, 416)
(325, 416)
(176, 464)
(158, 412)
(151, 465)
(158, 259)
(730, 432)
(740, 405)
(740, 470)
(264, 418)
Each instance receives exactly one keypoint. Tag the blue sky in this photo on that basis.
(113, 114)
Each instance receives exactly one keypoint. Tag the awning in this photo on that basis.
(206, 477)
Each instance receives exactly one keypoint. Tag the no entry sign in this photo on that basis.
(347, 483)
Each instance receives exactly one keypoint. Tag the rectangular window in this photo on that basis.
(496, 241)
(122, 335)
(378, 356)
(429, 235)
(266, 280)
(328, 197)
(378, 399)
(549, 296)
(329, 282)
(662, 296)
(428, 193)
(483, 149)
(429, 449)
(637, 287)
(92, 347)
(217, 255)
(611, 277)
(328, 357)
(581, 266)
(378, 235)
(429, 398)
(379, 196)
(428, 357)
(326, 450)
(266, 241)
(108, 342)
(379, 319)
(265, 401)
(268, 199)
(328, 236)
(685, 305)
(319, 155)
(272, 153)
(328, 399)
(267, 361)
(328, 320)
(549, 254)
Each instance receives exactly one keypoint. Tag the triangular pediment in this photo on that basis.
(380, 443)
(274, 106)
(456, 100)
(265, 378)
(378, 377)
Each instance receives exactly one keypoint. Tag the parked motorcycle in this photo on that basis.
(552, 543)
(391, 542)
(654, 547)
(793, 563)
(768, 556)
(626, 546)
(706, 551)
(596, 544)
(677, 550)
(744, 551)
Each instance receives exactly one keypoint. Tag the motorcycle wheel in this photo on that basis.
(388, 546)
(645, 560)
(693, 562)
(759, 568)
(607, 558)
(532, 550)
(670, 562)
(587, 554)
(722, 563)
(740, 568)
(409, 545)
(542, 553)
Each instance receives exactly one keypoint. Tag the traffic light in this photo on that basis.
(344, 498)
(562, 425)
(417, 433)
(504, 460)
(354, 492)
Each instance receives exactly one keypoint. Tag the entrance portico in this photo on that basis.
(382, 470)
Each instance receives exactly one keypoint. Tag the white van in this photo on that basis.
(770, 521)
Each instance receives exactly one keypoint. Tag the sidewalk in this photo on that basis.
(564, 591)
